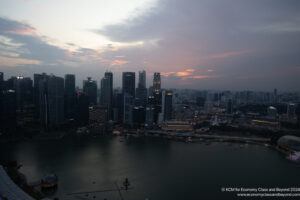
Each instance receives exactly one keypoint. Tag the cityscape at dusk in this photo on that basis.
(149, 99)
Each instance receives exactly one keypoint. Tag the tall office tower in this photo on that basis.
(109, 75)
(157, 104)
(8, 115)
(142, 79)
(90, 88)
(56, 100)
(128, 83)
(168, 107)
(150, 91)
(118, 106)
(82, 109)
(161, 115)
(141, 90)
(156, 82)
(149, 116)
(106, 97)
(24, 92)
(70, 96)
(128, 108)
(36, 92)
(43, 102)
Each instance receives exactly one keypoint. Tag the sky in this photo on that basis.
(195, 44)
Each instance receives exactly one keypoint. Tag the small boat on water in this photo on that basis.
(294, 157)
(49, 181)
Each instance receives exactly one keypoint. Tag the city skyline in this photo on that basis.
(231, 45)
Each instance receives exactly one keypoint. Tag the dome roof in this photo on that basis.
(290, 141)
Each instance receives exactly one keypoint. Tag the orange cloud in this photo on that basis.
(186, 72)
(99, 50)
(118, 62)
(199, 77)
(14, 62)
(229, 54)
(113, 49)
(28, 30)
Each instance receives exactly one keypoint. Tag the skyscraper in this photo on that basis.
(70, 96)
(43, 101)
(90, 88)
(8, 121)
(36, 92)
(82, 109)
(56, 100)
(51, 90)
(128, 108)
(141, 90)
(106, 97)
(168, 105)
(24, 91)
(142, 79)
(128, 83)
(156, 82)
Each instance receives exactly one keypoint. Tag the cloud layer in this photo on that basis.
(200, 44)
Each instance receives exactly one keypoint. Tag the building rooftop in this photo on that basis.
(9, 189)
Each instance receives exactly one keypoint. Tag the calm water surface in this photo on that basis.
(157, 169)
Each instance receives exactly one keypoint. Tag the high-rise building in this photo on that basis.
(118, 106)
(98, 115)
(24, 91)
(141, 90)
(141, 97)
(7, 111)
(82, 111)
(142, 79)
(90, 88)
(168, 107)
(106, 97)
(56, 100)
(156, 82)
(149, 116)
(128, 83)
(43, 101)
(52, 101)
(128, 108)
(70, 96)
(36, 92)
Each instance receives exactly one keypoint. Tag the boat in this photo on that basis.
(49, 181)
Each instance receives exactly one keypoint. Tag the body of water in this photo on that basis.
(158, 169)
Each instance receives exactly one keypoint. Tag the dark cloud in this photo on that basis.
(196, 32)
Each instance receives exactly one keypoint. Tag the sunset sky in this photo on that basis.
(197, 44)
